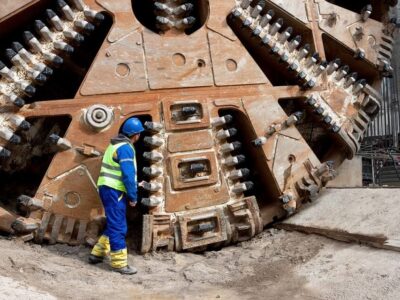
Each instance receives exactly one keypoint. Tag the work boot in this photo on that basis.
(93, 259)
(127, 270)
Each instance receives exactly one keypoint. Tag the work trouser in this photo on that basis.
(114, 235)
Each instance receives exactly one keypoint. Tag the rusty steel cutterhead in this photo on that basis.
(249, 109)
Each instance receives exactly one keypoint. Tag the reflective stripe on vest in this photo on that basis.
(110, 172)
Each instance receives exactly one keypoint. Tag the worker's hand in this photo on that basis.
(132, 203)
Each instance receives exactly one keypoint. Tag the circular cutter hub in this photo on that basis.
(249, 108)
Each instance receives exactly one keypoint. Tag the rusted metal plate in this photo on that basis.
(172, 62)
(121, 70)
(73, 194)
(187, 141)
(232, 64)
(9, 7)
(289, 151)
(296, 8)
(124, 19)
(217, 20)
(195, 198)
(344, 28)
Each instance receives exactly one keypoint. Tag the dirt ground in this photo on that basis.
(275, 265)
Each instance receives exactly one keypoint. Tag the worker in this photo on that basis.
(117, 186)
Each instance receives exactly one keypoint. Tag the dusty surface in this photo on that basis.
(275, 265)
(366, 215)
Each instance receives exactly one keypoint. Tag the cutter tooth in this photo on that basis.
(153, 156)
(11, 97)
(29, 204)
(94, 16)
(245, 4)
(219, 121)
(43, 31)
(333, 66)
(163, 8)
(260, 141)
(74, 36)
(54, 59)
(229, 147)
(310, 84)
(84, 26)
(37, 76)
(294, 119)
(41, 67)
(62, 143)
(335, 128)
(66, 10)
(16, 100)
(359, 86)
(19, 122)
(55, 20)
(359, 54)
(78, 4)
(257, 31)
(342, 72)
(152, 186)
(285, 35)
(164, 23)
(4, 153)
(153, 141)
(294, 43)
(33, 42)
(22, 225)
(320, 68)
(18, 61)
(15, 58)
(366, 12)
(240, 188)
(276, 27)
(234, 160)
(63, 46)
(153, 171)
(327, 120)
(237, 12)
(185, 22)
(183, 9)
(266, 40)
(294, 66)
(351, 79)
(267, 18)
(255, 12)
(224, 134)
(9, 136)
(239, 174)
(23, 53)
(312, 60)
(26, 88)
(247, 22)
(152, 201)
(154, 126)
(7, 73)
(304, 51)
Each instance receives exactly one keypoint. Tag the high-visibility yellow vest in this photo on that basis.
(110, 172)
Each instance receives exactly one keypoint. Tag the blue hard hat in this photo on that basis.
(132, 126)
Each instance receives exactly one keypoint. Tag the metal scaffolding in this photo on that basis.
(381, 147)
